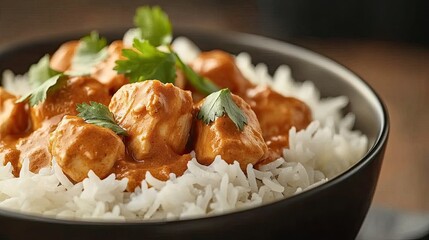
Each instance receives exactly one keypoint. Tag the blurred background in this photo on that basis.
(386, 42)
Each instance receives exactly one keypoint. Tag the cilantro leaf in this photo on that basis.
(154, 25)
(146, 62)
(99, 114)
(90, 51)
(218, 104)
(40, 72)
(200, 83)
(40, 93)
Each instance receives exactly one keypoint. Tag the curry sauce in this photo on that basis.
(157, 117)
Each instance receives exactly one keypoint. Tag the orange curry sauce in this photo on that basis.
(160, 120)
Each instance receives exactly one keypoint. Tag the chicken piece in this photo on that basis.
(35, 146)
(15, 142)
(222, 137)
(157, 118)
(13, 116)
(153, 114)
(104, 72)
(79, 147)
(77, 90)
(62, 58)
(276, 115)
(220, 67)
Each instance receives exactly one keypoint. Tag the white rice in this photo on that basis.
(325, 149)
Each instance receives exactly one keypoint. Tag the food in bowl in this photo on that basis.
(144, 129)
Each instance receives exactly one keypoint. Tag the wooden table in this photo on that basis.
(398, 72)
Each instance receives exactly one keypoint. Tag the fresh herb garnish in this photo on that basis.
(150, 63)
(146, 62)
(154, 25)
(40, 93)
(99, 114)
(218, 104)
(90, 51)
(41, 72)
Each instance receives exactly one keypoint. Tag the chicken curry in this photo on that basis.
(132, 110)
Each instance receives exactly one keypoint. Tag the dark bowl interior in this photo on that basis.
(334, 210)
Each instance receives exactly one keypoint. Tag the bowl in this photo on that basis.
(333, 210)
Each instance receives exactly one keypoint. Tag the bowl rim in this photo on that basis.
(243, 39)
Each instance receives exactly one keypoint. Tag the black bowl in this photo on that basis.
(334, 210)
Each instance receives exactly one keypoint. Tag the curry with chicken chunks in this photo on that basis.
(140, 109)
